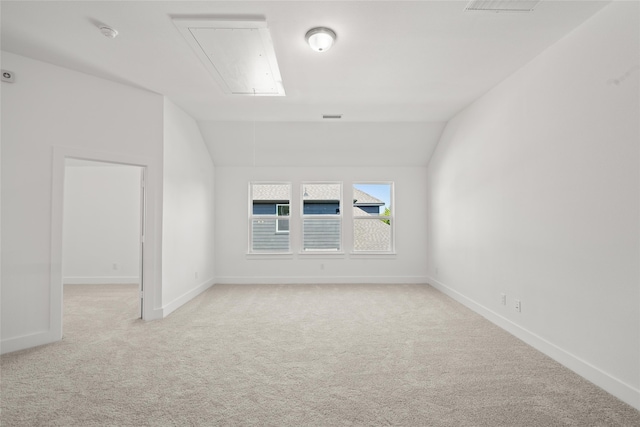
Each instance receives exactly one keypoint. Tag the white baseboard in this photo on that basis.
(186, 297)
(310, 280)
(102, 280)
(40, 338)
(619, 389)
(155, 314)
(26, 341)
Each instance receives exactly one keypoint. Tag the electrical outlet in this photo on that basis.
(321, 266)
(115, 266)
(503, 299)
(196, 274)
(518, 306)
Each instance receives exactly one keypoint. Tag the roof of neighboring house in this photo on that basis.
(359, 212)
(370, 235)
(271, 192)
(360, 198)
(312, 192)
(321, 192)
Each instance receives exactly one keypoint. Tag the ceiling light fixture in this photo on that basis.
(108, 32)
(320, 38)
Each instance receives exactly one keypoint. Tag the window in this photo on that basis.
(321, 217)
(321, 211)
(282, 225)
(269, 217)
(373, 220)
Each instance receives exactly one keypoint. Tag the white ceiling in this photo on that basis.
(394, 61)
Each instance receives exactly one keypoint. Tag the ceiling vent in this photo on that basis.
(501, 5)
(332, 116)
(238, 54)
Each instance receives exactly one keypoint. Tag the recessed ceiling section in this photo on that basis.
(239, 55)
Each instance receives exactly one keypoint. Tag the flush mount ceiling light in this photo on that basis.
(108, 31)
(320, 38)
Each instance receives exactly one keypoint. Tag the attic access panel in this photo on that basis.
(238, 54)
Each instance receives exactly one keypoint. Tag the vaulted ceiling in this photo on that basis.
(394, 61)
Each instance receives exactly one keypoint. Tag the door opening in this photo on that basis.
(103, 239)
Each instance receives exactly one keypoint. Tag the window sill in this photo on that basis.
(373, 255)
(321, 254)
(269, 255)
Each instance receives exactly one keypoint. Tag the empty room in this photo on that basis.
(320, 213)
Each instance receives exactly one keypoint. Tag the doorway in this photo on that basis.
(102, 242)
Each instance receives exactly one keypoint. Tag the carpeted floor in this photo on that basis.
(293, 355)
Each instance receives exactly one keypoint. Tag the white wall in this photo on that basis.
(233, 265)
(533, 191)
(101, 241)
(359, 143)
(188, 217)
(47, 107)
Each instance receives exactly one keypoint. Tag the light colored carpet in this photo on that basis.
(293, 355)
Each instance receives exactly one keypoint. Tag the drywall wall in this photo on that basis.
(533, 191)
(101, 231)
(188, 215)
(50, 108)
(234, 265)
(359, 143)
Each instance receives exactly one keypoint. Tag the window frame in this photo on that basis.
(288, 217)
(267, 217)
(391, 218)
(339, 216)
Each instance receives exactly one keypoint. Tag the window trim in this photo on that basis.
(286, 217)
